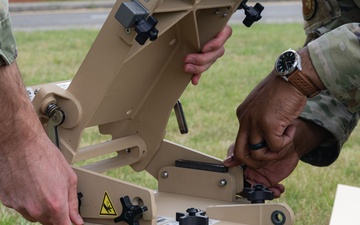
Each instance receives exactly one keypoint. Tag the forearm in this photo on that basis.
(31, 167)
(18, 120)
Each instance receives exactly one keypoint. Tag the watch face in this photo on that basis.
(287, 62)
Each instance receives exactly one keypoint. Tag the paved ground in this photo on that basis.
(63, 5)
(92, 14)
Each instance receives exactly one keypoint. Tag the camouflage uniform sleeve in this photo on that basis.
(329, 113)
(335, 56)
(8, 50)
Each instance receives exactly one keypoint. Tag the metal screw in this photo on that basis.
(222, 183)
(165, 174)
(225, 15)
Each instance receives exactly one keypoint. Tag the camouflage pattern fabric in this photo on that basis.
(8, 50)
(333, 40)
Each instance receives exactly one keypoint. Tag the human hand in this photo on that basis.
(197, 63)
(35, 178)
(267, 114)
(271, 174)
(308, 136)
(41, 187)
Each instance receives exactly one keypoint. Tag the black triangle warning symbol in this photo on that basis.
(107, 207)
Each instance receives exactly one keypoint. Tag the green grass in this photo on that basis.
(47, 56)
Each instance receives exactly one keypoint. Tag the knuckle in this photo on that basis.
(73, 179)
(55, 206)
(240, 110)
(229, 29)
(7, 202)
(36, 214)
(33, 211)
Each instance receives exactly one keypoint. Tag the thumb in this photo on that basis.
(231, 161)
(74, 209)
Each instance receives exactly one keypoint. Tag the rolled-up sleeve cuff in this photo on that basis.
(329, 113)
(8, 50)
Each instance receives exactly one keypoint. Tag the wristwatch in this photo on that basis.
(288, 66)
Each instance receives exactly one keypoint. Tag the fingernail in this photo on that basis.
(190, 69)
(80, 219)
(190, 60)
(229, 159)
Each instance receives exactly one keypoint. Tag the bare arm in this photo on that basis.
(35, 179)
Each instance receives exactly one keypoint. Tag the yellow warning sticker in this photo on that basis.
(107, 207)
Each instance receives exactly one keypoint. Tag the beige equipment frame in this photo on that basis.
(128, 90)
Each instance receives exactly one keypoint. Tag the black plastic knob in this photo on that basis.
(146, 30)
(130, 214)
(193, 216)
(252, 14)
(258, 194)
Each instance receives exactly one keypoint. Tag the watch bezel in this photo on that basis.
(295, 65)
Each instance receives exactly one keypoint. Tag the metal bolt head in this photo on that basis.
(222, 183)
(165, 174)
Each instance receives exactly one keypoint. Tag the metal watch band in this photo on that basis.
(301, 82)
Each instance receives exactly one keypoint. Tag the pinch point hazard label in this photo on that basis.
(107, 207)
